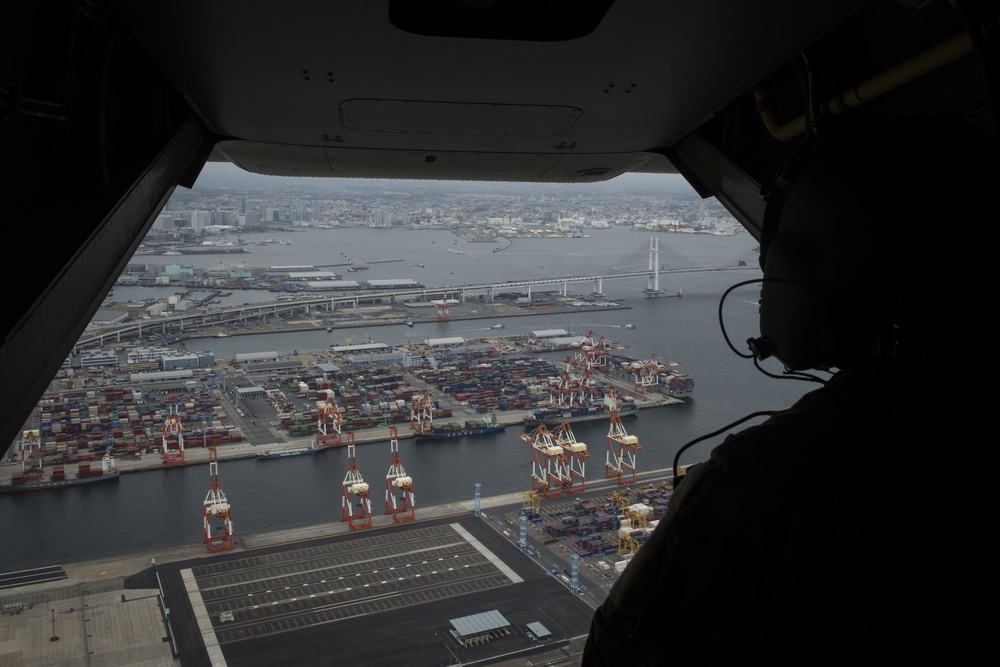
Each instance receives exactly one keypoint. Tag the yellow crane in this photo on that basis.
(533, 502)
(620, 501)
(627, 544)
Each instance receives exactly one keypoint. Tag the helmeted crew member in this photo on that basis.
(820, 536)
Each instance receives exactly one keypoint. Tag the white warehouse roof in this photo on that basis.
(334, 284)
(457, 340)
(549, 333)
(310, 275)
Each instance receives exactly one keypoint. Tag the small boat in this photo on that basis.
(222, 334)
(498, 325)
(629, 326)
(409, 323)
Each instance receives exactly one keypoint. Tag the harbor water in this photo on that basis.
(162, 508)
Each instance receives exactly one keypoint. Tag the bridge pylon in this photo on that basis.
(653, 281)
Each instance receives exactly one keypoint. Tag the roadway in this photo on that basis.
(216, 317)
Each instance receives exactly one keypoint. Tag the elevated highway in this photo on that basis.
(179, 324)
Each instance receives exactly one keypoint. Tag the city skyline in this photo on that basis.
(243, 200)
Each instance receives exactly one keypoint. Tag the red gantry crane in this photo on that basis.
(421, 412)
(217, 512)
(584, 355)
(31, 454)
(592, 352)
(646, 373)
(328, 424)
(399, 500)
(356, 506)
(172, 449)
(571, 389)
(620, 463)
(575, 473)
(562, 390)
(548, 464)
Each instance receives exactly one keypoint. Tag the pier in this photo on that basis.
(180, 605)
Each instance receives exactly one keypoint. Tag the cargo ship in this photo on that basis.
(458, 433)
(33, 477)
(54, 481)
(285, 453)
(456, 430)
(666, 378)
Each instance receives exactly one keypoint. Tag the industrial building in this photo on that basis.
(161, 377)
(444, 342)
(479, 628)
(254, 357)
(333, 285)
(393, 283)
(187, 360)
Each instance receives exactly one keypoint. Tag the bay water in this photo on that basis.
(162, 508)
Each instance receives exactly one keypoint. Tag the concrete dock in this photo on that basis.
(150, 608)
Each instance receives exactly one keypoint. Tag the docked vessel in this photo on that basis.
(552, 417)
(675, 383)
(458, 432)
(52, 482)
(285, 453)
(440, 431)
(33, 477)
(653, 374)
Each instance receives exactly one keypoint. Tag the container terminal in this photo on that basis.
(147, 418)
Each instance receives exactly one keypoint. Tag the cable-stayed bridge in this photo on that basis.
(645, 262)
